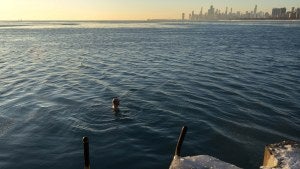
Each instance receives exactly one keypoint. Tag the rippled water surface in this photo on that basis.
(234, 84)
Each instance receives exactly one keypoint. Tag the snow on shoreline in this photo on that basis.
(200, 162)
(287, 155)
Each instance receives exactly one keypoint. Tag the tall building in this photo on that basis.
(193, 15)
(211, 11)
(298, 13)
(275, 12)
(282, 12)
(201, 12)
(279, 13)
(255, 11)
(292, 14)
(182, 16)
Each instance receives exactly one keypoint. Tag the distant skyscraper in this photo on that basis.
(275, 12)
(255, 9)
(193, 15)
(211, 11)
(292, 14)
(298, 13)
(226, 12)
(201, 13)
(282, 12)
(182, 16)
(279, 13)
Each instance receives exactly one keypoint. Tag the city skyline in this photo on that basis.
(228, 14)
(123, 9)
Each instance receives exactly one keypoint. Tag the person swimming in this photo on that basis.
(115, 103)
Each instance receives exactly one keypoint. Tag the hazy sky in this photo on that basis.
(123, 9)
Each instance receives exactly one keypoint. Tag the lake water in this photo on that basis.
(234, 84)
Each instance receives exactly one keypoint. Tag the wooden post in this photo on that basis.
(85, 141)
(180, 141)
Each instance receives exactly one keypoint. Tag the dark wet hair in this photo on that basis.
(116, 100)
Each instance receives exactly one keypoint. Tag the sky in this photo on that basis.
(124, 9)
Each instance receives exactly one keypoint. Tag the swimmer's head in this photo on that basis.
(115, 103)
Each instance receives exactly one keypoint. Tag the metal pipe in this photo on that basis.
(85, 141)
(180, 140)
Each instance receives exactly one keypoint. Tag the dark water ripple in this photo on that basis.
(235, 84)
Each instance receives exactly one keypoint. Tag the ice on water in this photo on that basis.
(288, 157)
(200, 162)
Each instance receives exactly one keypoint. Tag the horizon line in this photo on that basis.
(84, 20)
(148, 20)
